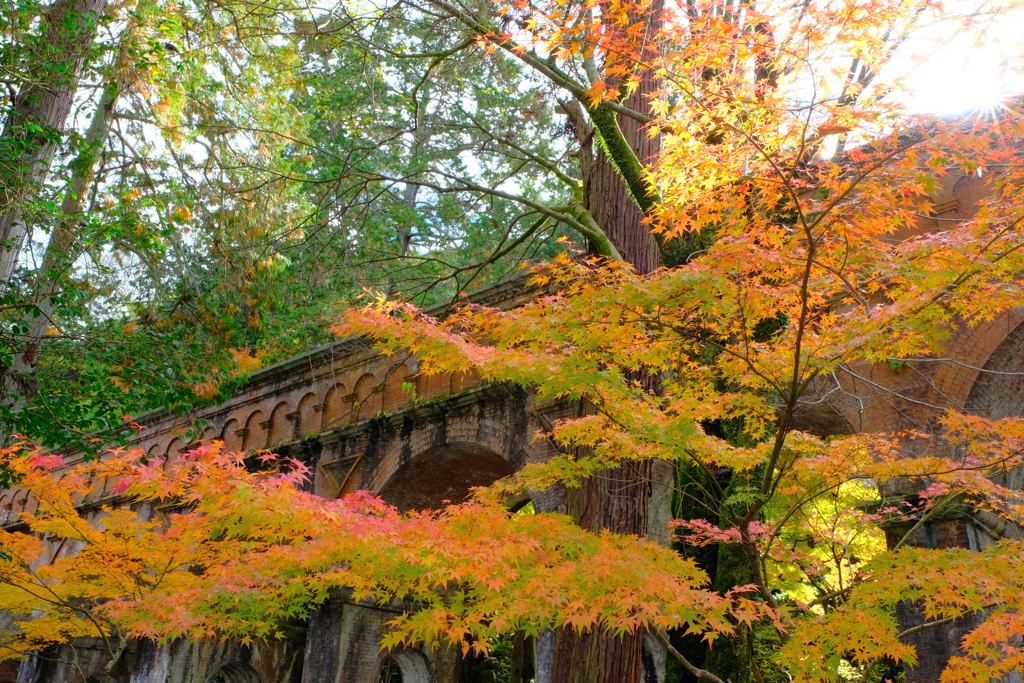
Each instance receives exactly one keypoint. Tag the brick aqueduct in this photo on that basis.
(343, 410)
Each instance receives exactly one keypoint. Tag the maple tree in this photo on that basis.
(806, 183)
(216, 544)
(784, 185)
(60, 565)
(692, 120)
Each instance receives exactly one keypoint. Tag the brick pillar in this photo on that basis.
(935, 645)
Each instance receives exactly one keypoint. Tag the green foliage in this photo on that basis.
(766, 643)
(261, 175)
(501, 653)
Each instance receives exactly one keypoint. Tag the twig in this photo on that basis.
(927, 625)
(699, 674)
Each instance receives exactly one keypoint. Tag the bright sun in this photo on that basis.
(971, 70)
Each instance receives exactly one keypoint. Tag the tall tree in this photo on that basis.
(723, 68)
(608, 62)
(741, 334)
(50, 62)
(111, 259)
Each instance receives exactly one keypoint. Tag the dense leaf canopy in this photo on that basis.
(190, 190)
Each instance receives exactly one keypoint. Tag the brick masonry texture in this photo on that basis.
(361, 420)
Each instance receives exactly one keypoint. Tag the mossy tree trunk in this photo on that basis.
(616, 499)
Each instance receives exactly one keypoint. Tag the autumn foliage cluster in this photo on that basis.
(217, 544)
(792, 188)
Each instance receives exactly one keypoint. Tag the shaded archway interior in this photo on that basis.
(998, 391)
(236, 672)
(443, 473)
(406, 666)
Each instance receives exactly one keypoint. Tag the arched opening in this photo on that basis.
(405, 666)
(280, 428)
(998, 392)
(253, 435)
(229, 435)
(999, 389)
(235, 672)
(522, 506)
(390, 672)
(336, 410)
(443, 473)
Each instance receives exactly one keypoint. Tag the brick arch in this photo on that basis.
(209, 434)
(280, 428)
(154, 451)
(443, 474)
(409, 377)
(158, 448)
(22, 501)
(362, 394)
(893, 399)
(971, 348)
(336, 407)
(998, 387)
(253, 435)
(399, 452)
(309, 416)
(412, 665)
(6, 503)
(171, 453)
(229, 435)
(235, 672)
(402, 388)
(471, 445)
(77, 497)
(490, 433)
(30, 504)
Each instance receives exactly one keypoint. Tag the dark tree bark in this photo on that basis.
(732, 656)
(523, 658)
(20, 383)
(18, 386)
(617, 499)
(38, 116)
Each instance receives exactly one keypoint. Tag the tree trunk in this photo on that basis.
(731, 657)
(523, 658)
(38, 116)
(696, 498)
(617, 499)
(606, 197)
(18, 385)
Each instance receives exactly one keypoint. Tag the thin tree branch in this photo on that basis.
(699, 674)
